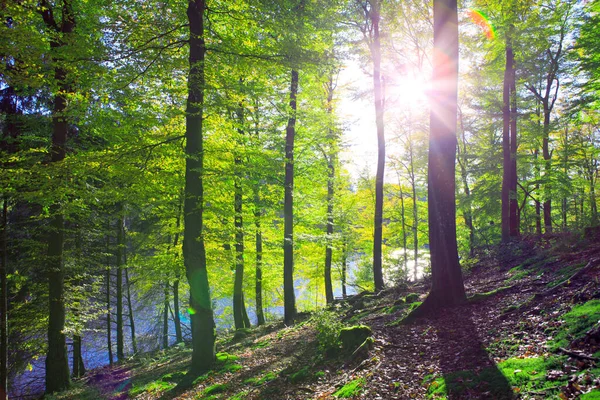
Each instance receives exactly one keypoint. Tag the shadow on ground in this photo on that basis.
(467, 368)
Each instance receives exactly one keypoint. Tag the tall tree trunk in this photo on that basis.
(4, 303)
(130, 311)
(119, 294)
(239, 307)
(194, 253)
(514, 201)
(57, 362)
(165, 332)
(415, 226)
(462, 163)
(176, 307)
(330, 158)
(258, 282)
(506, 164)
(289, 297)
(344, 267)
(108, 306)
(374, 14)
(403, 223)
(447, 285)
(538, 206)
(547, 207)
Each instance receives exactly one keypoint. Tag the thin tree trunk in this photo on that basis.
(330, 158)
(344, 268)
(514, 201)
(447, 285)
(415, 226)
(78, 366)
(538, 206)
(108, 307)
(194, 254)
(119, 294)
(258, 283)
(288, 208)
(374, 14)
(176, 307)
(506, 164)
(130, 311)
(403, 222)
(4, 303)
(462, 162)
(165, 332)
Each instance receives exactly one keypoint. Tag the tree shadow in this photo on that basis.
(468, 370)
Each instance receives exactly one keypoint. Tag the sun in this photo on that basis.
(407, 89)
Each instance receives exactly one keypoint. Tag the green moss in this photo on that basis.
(513, 375)
(350, 389)
(593, 395)
(300, 375)
(354, 336)
(319, 374)
(482, 296)
(261, 344)
(152, 387)
(412, 297)
(214, 389)
(576, 322)
(231, 367)
(565, 273)
(239, 396)
(173, 377)
(358, 317)
(269, 376)
(226, 357)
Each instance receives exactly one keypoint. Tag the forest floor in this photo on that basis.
(530, 330)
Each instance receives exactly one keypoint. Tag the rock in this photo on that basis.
(352, 337)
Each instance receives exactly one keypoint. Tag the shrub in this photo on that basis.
(328, 326)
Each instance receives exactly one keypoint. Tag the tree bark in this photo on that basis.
(258, 269)
(57, 362)
(130, 311)
(447, 284)
(194, 253)
(374, 14)
(78, 366)
(289, 296)
(165, 332)
(119, 294)
(108, 307)
(4, 303)
(506, 148)
(514, 201)
(330, 158)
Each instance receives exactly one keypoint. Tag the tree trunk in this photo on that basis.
(57, 362)
(415, 226)
(194, 254)
(176, 316)
(4, 303)
(239, 307)
(288, 208)
(108, 307)
(506, 163)
(403, 223)
(119, 294)
(374, 14)
(344, 268)
(130, 311)
(258, 283)
(78, 366)
(165, 332)
(547, 207)
(330, 158)
(462, 162)
(447, 285)
(514, 201)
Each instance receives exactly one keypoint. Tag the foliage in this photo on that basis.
(328, 326)
(350, 389)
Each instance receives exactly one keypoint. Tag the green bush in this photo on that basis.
(328, 326)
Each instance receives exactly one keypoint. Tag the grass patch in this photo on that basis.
(350, 389)
(269, 376)
(152, 387)
(576, 323)
(214, 389)
(515, 375)
(593, 395)
(239, 396)
(300, 375)
(261, 344)
(564, 273)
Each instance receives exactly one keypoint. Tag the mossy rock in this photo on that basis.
(242, 333)
(411, 298)
(399, 302)
(353, 336)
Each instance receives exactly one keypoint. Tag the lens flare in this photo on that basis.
(480, 19)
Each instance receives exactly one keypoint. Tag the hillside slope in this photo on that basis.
(530, 330)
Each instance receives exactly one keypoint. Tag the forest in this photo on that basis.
(299, 199)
